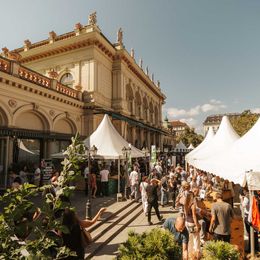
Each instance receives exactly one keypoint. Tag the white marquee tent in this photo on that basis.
(180, 147)
(222, 141)
(109, 142)
(242, 156)
(210, 134)
(191, 147)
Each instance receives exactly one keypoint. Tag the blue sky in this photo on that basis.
(205, 53)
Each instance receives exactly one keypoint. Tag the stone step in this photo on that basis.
(111, 212)
(108, 231)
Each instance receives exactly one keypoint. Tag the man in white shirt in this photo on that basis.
(104, 174)
(159, 169)
(134, 182)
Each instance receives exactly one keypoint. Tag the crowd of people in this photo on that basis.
(166, 185)
(186, 192)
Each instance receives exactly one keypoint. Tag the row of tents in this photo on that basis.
(228, 155)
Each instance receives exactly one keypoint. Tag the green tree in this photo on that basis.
(244, 122)
(189, 136)
(22, 238)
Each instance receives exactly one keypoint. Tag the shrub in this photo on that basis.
(153, 245)
(219, 250)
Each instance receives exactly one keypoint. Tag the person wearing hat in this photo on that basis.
(152, 199)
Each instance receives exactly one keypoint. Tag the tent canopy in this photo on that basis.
(191, 147)
(210, 134)
(241, 157)
(253, 180)
(109, 142)
(222, 141)
(180, 146)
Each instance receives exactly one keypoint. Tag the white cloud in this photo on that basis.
(191, 116)
(213, 105)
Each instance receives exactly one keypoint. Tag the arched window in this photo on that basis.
(67, 80)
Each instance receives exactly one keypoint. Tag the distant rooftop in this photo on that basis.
(216, 118)
(178, 123)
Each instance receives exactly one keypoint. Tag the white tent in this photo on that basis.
(223, 140)
(191, 147)
(252, 179)
(24, 148)
(180, 147)
(242, 156)
(210, 134)
(109, 142)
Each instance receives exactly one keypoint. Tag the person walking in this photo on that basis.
(152, 193)
(134, 182)
(221, 215)
(104, 173)
(192, 225)
(164, 191)
(143, 187)
(172, 183)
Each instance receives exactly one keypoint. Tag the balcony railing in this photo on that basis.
(17, 70)
(5, 65)
(66, 90)
(34, 77)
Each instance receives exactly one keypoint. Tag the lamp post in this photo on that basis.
(90, 153)
(145, 152)
(126, 153)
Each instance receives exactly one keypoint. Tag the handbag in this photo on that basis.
(86, 238)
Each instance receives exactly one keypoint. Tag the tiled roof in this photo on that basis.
(178, 123)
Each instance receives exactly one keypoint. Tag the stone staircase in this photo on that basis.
(120, 216)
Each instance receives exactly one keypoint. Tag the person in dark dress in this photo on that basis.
(151, 190)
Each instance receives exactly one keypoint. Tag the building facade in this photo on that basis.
(215, 120)
(178, 127)
(65, 84)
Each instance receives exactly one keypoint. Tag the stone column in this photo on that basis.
(133, 135)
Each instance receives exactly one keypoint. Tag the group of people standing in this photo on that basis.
(185, 192)
(93, 173)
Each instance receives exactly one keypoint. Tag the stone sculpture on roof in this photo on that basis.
(92, 18)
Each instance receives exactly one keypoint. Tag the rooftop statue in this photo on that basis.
(92, 18)
(147, 70)
(12, 55)
(141, 63)
(120, 36)
(158, 83)
(132, 53)
(78, 26)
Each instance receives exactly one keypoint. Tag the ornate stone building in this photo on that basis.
(65, 84)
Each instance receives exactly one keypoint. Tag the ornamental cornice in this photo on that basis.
(69, 47)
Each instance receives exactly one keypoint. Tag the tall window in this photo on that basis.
(67, 80)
